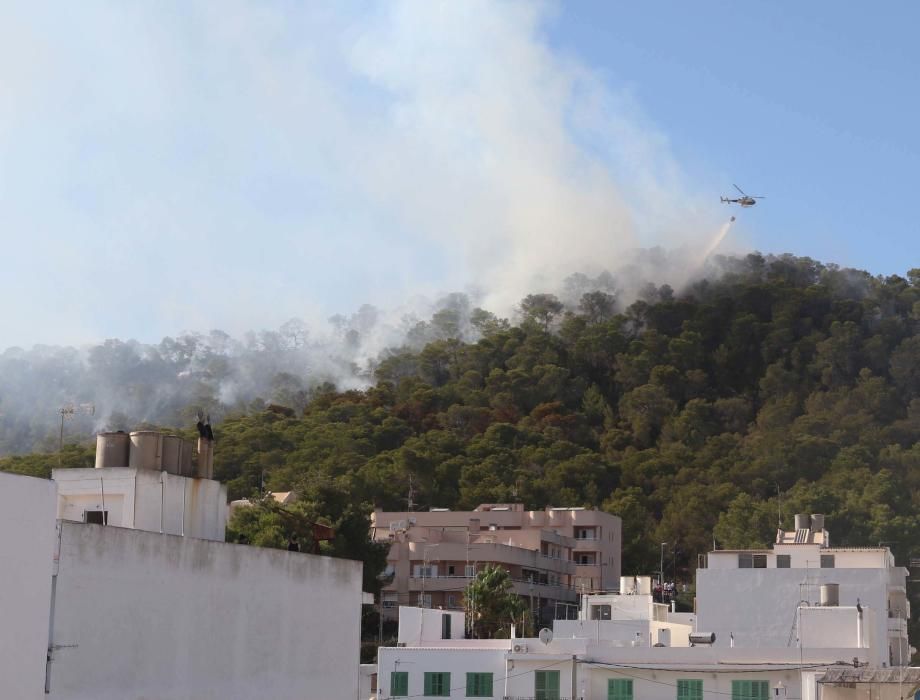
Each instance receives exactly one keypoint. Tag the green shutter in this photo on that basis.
(619, 689)
(437, 684)
(750, 690)
(399, 684)
(479, 685)
(546, 685)
(690, 689)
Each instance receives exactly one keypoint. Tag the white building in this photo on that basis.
(106, 612)
(625, 646)
(770, 588)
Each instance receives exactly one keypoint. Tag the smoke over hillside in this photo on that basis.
(165, 383)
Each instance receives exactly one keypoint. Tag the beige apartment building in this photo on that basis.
(553, 555)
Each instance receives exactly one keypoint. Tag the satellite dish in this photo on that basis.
(546, 635)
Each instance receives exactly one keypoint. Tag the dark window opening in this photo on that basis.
(783, 561)
(96, 517)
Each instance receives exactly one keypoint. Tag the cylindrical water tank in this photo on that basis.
(830, 594)
(172, 449)
(201, 466)
(146, 450)
(112, 449)
(185, 458)
(802, 521)
(702, 637)
(817, 522)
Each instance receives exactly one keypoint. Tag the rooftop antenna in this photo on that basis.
(410, 504)
(68, 411)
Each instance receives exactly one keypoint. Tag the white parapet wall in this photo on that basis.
(145, 615)
(27, 535)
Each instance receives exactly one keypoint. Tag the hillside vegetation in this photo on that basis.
(689, 415)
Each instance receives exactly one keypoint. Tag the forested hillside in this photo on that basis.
(690, 415)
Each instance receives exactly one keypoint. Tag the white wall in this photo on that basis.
(144, 615)
(456, 661)
(145, 499)
(419, 626)
(27, 544)
(759, 605)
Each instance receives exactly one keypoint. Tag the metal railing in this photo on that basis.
(516, 580)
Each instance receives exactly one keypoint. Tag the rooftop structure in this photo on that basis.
(552, 554)
(147, 480)
(758, 595)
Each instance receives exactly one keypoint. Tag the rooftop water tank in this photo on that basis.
(702, 638)
(172, 453)
(817, 522)
(185, 458)
(830, 595)
(112, 449)
(802, 521)
(146, 450)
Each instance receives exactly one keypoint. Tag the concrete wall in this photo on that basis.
(27, 545)
(145, 499)
(144, 615)
(422, 626)
(759, 605)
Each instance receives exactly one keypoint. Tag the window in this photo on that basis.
(426, 571)
(470, 570)
(748, 560)
(424, 600)
(451, 601)
(437, 684)
(399, 684)
(750, 690)
(619, 689)
(600, 612)
(96, 517)
(783, 561)
(445, 626)
(546, 685)
(827, 561)
(479, 685)
(690, 689)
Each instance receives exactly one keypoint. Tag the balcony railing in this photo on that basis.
(512, 578)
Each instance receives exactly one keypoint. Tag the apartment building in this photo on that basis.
(552, 554)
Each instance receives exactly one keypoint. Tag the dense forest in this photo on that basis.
(700, 417)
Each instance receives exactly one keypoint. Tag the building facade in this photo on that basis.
(769, 587)
(103, 603)
(757, 633)
(552, 555)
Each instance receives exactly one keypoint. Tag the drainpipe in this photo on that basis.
(859, 624)
(574, 676)
(162, 500)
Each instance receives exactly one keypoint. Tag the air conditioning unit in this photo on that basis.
(520, 648)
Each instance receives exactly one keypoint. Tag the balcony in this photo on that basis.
(522, 586)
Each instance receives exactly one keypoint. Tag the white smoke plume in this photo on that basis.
(231, 165)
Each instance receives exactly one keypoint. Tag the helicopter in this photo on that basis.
(745, 200)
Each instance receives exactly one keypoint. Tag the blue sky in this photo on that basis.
(187, 166)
